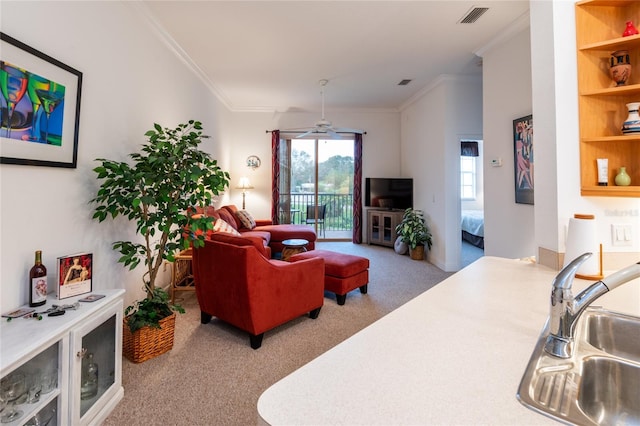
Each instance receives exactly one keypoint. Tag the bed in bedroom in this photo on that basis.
(473, 227)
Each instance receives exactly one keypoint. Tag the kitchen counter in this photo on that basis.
(453, 355)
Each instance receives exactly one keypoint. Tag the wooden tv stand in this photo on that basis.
(381, 226)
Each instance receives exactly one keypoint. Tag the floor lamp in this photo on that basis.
(244, 184)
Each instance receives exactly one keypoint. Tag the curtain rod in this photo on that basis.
(313, 133)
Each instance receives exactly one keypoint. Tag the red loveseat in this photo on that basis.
(236, 283)
(272, 235)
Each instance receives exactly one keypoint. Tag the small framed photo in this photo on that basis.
(74, 275)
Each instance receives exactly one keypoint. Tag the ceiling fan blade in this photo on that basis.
(305, 134)
(333, 134)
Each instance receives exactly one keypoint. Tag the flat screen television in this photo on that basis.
(388, 193)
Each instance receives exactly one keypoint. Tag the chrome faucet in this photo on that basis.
(565, 309)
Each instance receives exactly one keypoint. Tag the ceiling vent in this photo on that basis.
(473, 15)
(404, 82)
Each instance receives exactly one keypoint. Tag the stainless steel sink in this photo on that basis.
(609, 391)
(615, 334)
(599, 384)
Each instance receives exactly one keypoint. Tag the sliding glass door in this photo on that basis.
(321, 186)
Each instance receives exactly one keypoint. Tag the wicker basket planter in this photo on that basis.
(148, 342)
(417, 253)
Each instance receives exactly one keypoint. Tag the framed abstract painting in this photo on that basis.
(523, 159)
(39, 107)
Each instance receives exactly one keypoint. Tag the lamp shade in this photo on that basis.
(244, 183)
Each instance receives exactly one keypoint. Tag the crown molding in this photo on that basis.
(442, 78)
(517, 26)
(175, 48)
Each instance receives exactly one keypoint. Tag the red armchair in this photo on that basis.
(236, 283)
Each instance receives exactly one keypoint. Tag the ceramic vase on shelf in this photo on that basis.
(631, 125)
(622, 178)
(620, 67)
(629, 30)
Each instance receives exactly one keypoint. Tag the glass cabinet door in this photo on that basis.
(375, 227)
(95, 366)
(386, 232)
(31, 394)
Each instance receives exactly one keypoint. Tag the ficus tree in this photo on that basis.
(159, 190)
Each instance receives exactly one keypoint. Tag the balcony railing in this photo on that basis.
(338, 213)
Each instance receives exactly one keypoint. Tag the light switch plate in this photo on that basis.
(621, 235)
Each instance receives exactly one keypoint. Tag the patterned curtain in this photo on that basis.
(281, 179)
(469, 149)
(357, 189)
(275, 176)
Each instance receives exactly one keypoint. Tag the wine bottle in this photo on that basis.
(38, 282)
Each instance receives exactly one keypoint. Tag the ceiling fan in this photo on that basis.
(325, 126)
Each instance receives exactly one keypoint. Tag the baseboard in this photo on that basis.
(550, 259)
(612, 261)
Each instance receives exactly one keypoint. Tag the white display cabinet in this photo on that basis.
(55, 346)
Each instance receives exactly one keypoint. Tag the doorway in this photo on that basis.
(471, 201)
(321, 179)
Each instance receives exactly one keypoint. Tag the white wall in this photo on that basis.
(555, 95)
(514, 85)
(131, 80)
(509, 227)
(380, 151)
(432, 128)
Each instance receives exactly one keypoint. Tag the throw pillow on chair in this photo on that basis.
(223, 226)
(246, 219)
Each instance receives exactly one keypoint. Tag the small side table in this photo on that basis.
(181, 274)
(293, 246)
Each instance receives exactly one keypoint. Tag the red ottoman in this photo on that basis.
(342, 272)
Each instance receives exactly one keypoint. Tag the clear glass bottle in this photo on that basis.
(89, 382)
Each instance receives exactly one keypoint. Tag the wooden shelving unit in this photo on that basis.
(602, 108)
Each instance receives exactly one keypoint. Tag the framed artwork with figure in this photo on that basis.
(74, 275)
(39, 107)
(523, 159)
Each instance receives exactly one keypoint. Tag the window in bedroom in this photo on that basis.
(468, 178)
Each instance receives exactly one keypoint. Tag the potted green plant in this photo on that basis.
(167, 179)
(414, 232)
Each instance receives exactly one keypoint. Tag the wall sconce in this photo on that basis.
(244, 184)
(253, 161)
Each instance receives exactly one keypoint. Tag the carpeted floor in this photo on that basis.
(213, 377)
